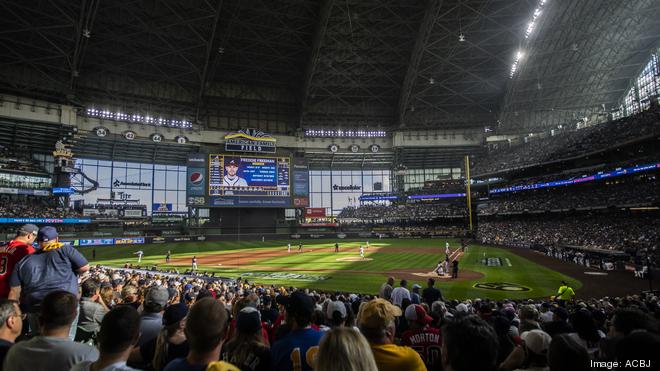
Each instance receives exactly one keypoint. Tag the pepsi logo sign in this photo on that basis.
(196, 177)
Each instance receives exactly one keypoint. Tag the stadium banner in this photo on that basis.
(195, 180)
(161, 208)
(94, 242)
(168, 217)
(383, 197)
(102, 213)
(251, 181)
(597, 176)
(60, 191)
(133, 213)
(129, 241)
(157, 240)
(433, 197)
(250, 140)
(300, 183)
(29, 192)
(45, 221)
(315, 212)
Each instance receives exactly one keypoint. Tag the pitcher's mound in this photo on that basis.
(353, 259)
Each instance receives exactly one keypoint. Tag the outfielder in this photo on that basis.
(139, 253)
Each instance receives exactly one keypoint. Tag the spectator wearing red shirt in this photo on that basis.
(424, 339)
(13, 252)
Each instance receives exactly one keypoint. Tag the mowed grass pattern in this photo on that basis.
(343, 276)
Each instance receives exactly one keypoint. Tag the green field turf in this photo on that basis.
(542, 281)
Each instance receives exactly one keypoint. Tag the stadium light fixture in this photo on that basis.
(531, 26)
(137, 118)
(343, 133)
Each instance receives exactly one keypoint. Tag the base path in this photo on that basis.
(257, 261)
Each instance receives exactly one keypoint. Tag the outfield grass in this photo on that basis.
(542, 281)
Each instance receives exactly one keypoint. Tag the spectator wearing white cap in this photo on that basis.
(532, 354)
(424, 339)
(336, 313)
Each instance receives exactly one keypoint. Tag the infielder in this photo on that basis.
(447, 247)
(367, 244)
(288, 249)
(168, 256)
(194, 262)
(361, 251)
(300, 247)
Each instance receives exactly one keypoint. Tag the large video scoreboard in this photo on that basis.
(249, 176)
(229, 180)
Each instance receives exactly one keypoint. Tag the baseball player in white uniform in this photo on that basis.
(232, 179)
(447, 247)
(361, 251)
(288, 247)
(139, 253)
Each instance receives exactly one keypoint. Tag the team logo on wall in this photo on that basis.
(181, 139)
(374, 148)
(196, 177)
(101, 132)
(333, 148)
(355, 148)
(250, 140)
(129, 135)
(501, 286)
(156, 138)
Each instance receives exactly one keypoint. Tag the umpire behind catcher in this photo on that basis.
(54, 266)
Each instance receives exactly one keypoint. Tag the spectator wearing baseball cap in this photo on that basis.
(301, 337)
(171, 342)
(336, 313)
(559, 323)
(247, 350)
(377, 321)
(532, 354)
(414, 295)
(154, 305)
(424, 339)
(53, 267)
(205, 329)
(14, 251)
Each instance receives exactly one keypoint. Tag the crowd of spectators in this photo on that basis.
(20, 164)
(154, 321)
(643, 191)
(33, 207)
(602, 231)
(569, 144)
(101, 318)
(411, 211)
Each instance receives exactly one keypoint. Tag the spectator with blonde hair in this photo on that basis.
(345, 349)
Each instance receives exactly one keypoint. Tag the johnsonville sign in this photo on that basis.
(250, 140)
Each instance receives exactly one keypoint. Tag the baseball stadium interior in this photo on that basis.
(357, 185)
